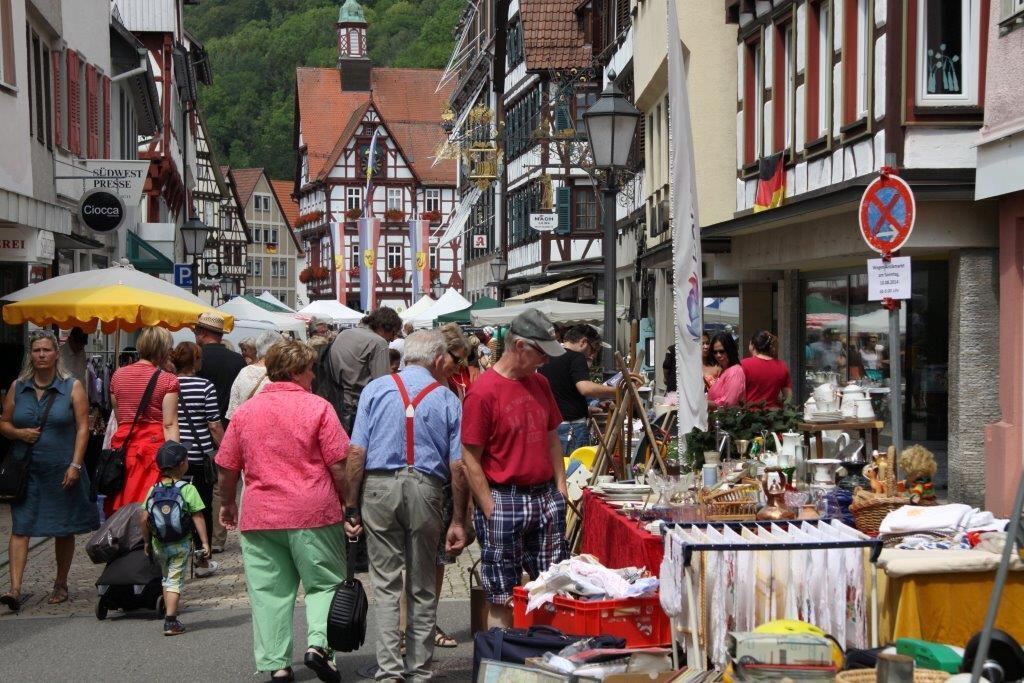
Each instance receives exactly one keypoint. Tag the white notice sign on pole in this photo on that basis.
(889, 280)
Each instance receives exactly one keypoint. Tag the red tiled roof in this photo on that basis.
(406, 100)
(283, 190)
(552, 37)
(245, 183)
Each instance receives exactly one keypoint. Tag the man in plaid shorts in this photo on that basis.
(513, 458)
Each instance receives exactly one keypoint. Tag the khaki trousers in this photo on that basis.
(401, 514)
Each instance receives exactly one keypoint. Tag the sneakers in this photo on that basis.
(173, 627)
(209, 570)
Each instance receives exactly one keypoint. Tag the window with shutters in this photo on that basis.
(514, 44)
(584, 204)
(563, 209)
(59, 97)
(83, 108)
(92, 111)
(753, 100)
(105, 116)
(521, 204)
(858, 42)
(40, 93)
(521, 119)
(8, 68)
(783, 85)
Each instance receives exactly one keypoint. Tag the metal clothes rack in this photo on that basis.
(695, 654)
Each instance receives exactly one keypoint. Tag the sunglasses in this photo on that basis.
(720, 352)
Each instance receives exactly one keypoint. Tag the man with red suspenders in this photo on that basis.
(405, 447)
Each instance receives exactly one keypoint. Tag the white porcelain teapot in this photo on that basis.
(851, 393)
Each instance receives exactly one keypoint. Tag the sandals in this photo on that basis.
(59, 594)
(442, 639)
(12, 600)
(322, 665)
(285, 674)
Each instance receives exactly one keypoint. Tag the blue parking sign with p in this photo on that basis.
(183, 274)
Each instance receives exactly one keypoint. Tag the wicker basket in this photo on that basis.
(737, 504)
(868, 514)
(869, 676)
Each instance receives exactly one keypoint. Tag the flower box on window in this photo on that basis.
(309, 218)
(320, 273)
(432, 216)
(435, 274)
(394, 215)
(396, 273)
(306, 275)
(354, 214)
(353, 271)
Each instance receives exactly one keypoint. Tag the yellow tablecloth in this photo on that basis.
(947, 608)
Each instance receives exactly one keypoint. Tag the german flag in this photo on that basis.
(771, 183)
(270, 247)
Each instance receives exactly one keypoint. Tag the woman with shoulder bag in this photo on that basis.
(201, 431)
(155, 420)
(46, 416)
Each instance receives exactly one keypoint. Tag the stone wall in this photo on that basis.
(973, 369)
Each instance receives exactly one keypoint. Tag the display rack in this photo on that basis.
(694, 632)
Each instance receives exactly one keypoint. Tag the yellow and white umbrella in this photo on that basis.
(107, 300)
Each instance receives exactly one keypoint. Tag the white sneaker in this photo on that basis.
(209, 570)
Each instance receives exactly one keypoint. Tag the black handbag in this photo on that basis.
(346, 620)
(516, 645)
(14, 471)
(110, 464)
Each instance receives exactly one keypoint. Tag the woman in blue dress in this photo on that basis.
(57, 500)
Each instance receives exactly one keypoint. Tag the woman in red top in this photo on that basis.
(157, 423)
(767, 377)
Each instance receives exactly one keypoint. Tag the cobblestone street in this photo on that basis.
(223, 590)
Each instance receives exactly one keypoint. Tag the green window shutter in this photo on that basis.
(563, 206)
(563, 117)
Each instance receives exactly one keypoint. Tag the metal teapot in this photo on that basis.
(776, 509)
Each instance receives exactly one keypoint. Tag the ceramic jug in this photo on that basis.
(823, 470)
(864, 409)
(824, 396)
(851, 393)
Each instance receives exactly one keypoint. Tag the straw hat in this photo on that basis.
(211, 321)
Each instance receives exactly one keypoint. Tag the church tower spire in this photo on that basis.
(353, 58)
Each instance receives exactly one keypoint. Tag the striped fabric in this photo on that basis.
(201, 397)
(129, 383)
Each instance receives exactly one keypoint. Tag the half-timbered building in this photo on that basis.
(342, 114)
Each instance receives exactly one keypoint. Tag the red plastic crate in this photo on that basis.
(640, 621)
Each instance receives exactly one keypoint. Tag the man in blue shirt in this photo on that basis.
(405, 448)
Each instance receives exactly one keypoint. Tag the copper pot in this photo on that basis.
(776, 509)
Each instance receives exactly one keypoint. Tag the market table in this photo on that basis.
(865, 427)
(616, 540)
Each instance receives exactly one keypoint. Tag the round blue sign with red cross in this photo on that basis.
(887, 212)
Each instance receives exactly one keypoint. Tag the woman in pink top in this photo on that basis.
(290, 445)
(730, 388)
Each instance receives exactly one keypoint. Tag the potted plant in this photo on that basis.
(396, 273)
(320, 273)
(394, 215)
(353, 271)
(353, 214)
(306, 275)
(432, 216)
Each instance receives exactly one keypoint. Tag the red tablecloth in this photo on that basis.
(616, 540)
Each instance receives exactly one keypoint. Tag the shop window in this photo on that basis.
(947, 52)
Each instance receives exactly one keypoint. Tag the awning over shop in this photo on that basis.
(541, 292)
(145, 257)
(455, 228)
(19, 209)
(74, 241)
(463, 316)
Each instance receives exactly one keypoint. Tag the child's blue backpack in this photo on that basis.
(167, 516)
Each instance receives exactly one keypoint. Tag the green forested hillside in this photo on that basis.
(255, 46)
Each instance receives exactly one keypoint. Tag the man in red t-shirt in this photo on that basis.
(513, 459)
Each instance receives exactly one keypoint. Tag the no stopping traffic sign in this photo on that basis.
(887, 212)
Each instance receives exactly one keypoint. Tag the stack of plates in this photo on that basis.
(617, 491)
(823, 416)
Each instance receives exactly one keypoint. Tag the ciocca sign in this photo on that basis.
(101, 210)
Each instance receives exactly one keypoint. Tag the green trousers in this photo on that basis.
(275, 562)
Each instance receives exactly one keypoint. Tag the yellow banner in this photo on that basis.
(421, 260)
(339, 262)
(369, 258)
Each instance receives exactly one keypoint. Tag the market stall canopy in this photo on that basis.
(115, 275)
(243, 329)
(332, 310)
(271, 299)
(449, 302)
(462, 316)
(561, 312)
(541, 292)
(242, 309)
(107, 309)
(417, 308)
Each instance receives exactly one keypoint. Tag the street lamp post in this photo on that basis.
(499, 269)
(611, 123)
(194, 235)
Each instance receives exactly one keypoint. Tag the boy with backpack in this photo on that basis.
(171, 510)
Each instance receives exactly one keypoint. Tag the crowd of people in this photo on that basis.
(413, 443)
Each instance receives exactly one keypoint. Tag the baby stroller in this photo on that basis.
(130, 580)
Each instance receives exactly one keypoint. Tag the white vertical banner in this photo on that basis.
(686, 259)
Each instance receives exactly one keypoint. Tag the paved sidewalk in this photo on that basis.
(223, 590)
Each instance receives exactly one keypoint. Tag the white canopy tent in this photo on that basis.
(246, 310)
(561, 312)
(417, 309)
(271, 299)
(449, 302)
(243, 329)
(332, 310)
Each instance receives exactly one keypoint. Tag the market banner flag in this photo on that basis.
(369, 236)
(419, 248)
(686, 258)
(340, 267)
(771, 183)
(371, 159)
